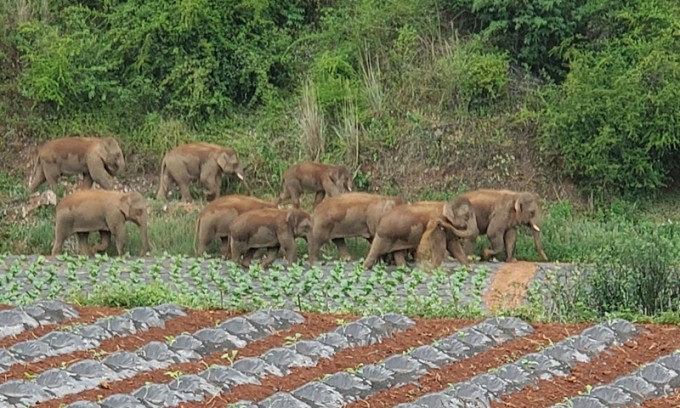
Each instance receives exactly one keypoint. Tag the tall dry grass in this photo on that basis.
(311, 123)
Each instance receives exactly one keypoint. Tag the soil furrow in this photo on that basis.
(439, 379)
(423, 333)
(314, 326)
(87, 315)
(603, 369)
(193, 321)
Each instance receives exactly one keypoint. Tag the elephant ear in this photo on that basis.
(295, 217)
(334, 174)
(125, 206)
(227, 161)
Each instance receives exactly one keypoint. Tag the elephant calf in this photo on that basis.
(97, 159)
(217, 216)
(270, 228)
(205, 162)
(347, 215)
(99, 210)
(431, 227)
(312, 177)
(499, 212)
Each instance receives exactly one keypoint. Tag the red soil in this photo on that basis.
(623, 360)
(87, 315)
(314, 325)
(193, 321)
(439, 379)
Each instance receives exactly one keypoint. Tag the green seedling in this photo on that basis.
(174, 374)
(292, 339)
(231, 356)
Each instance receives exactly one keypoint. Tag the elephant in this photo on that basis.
(344, 216)
(97, 159)
(105, 211)
(499, 212)
(312, 177)
(270, 228)
(205, 162)
(429, 227)
(217, 216)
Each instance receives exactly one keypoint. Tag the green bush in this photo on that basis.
(529, 29)
(613, 121)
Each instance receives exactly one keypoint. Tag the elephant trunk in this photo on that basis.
(537, 242)
(240, 175)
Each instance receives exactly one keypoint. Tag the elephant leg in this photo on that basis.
(400, 258)
(211, 182)
(165, 183)
(317, 239)
(38, 178)
(455, 249)
(224, 247)
(295, 198)
(342, 249)
(119, 233)
(319, 198)
(469, 245)
(290, 248)
(86, 183)
(510, 240)
(237, 250)
(52, 174)
(496, 240)
(105, 241)
(59, 238)
(82, 243)
(378, 247)
(271, 256)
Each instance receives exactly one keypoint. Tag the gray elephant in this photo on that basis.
(205, 162)
(318, 178)
(105, 211)
(97, 159)
(499, 213)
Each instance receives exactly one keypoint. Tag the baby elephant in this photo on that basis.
(205, 162)
(270, 228)
(99, 210)
(431, 227)
(97, 159)
(217, 216)
(312, 177)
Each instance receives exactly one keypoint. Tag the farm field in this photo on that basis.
(54, 354)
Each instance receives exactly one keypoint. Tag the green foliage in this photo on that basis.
(475, 74)
(529, 29)
(613, 120)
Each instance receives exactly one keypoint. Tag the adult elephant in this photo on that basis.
(217, 216)
(499, 212)
(345, 216)
(311, 177)
(270, 228)
(430, 227)
(97, 159)
(85, 211)
(205, 162)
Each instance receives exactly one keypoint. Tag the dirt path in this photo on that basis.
(508, 288)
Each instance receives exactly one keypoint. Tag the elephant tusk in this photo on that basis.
(534, 226)
(240, 176)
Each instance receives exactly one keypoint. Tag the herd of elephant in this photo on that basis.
(428, 230)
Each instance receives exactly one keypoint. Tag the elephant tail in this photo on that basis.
(198, 226)
(162, 187)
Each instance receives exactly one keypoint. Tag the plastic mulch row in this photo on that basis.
(277, 361)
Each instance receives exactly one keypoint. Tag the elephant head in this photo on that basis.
(527, 210)
(111, 155)
(341, 178)
(133, 207)
(228, 161)
(459, 218)
(300, 223)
